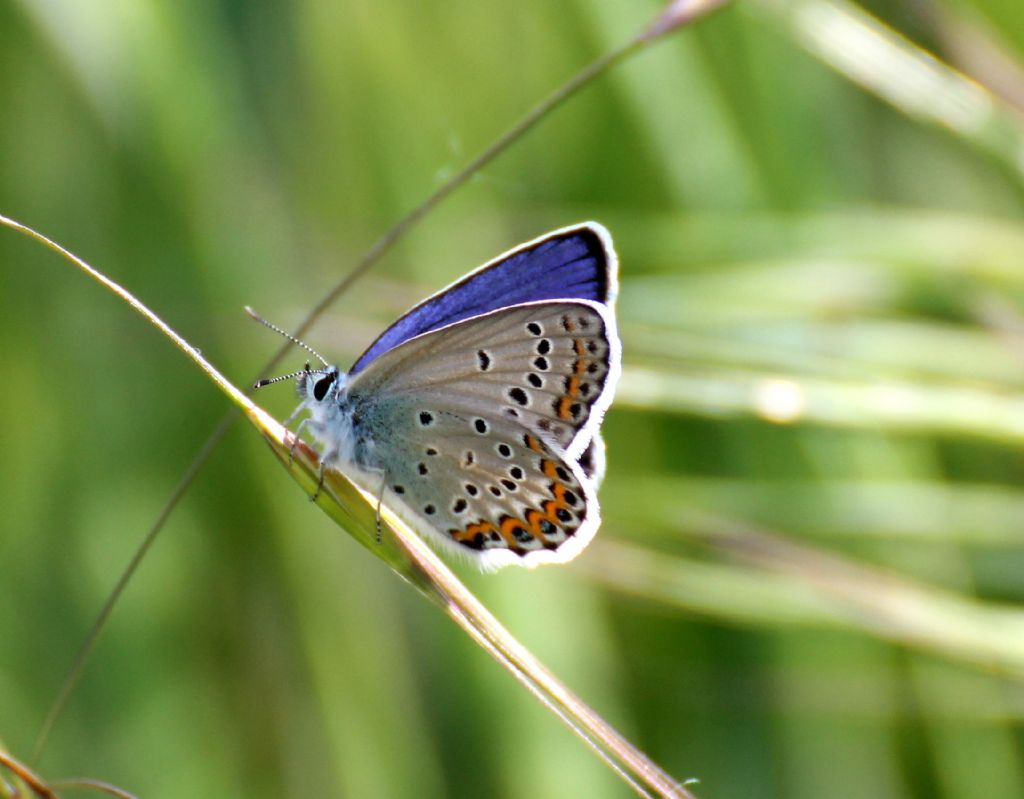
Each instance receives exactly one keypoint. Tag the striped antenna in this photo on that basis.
(266, 381)
(291, 338)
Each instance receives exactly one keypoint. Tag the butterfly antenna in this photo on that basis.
(291, 338)
(266, 381)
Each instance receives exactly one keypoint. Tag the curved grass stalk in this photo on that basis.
(48, 790)
(355, 510)
(26, 776)
(84, 784)
(674, 16)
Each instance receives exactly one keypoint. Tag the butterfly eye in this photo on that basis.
(322, 386)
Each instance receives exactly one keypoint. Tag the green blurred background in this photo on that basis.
(810, 577)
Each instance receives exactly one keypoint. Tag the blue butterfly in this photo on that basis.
(476, 414)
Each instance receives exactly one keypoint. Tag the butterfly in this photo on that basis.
(477, 413)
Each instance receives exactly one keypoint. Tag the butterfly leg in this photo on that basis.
(295, 441)
(293, 414)
(326, 459)
(380, 499)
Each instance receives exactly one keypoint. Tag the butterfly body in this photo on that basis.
(479, 426)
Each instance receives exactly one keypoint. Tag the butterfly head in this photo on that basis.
(316, 386)
(319, 386)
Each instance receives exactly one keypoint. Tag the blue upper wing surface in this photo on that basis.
(573, 263)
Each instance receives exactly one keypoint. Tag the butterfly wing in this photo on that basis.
(550, 367)
(576, 262)
(478, 451)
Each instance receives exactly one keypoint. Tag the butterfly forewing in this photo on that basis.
(549, 367)
(480, 424)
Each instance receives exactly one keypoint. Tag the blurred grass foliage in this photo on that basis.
(809, 582)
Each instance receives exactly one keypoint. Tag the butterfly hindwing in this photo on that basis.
(504, 494)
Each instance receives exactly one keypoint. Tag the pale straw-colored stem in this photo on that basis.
(355, 509)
